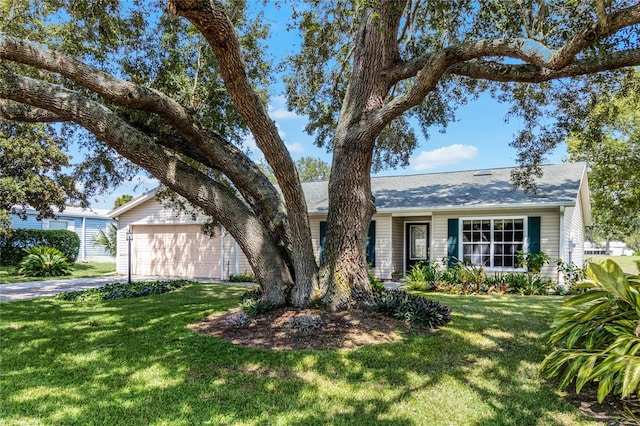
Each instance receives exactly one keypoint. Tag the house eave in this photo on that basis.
(113, 214)
(427, 211)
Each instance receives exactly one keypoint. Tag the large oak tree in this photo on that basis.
(171, 90)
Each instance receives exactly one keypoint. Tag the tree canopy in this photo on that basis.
(176, 88)
(608, 138)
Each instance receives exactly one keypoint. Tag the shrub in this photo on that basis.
(529, 284)
(12, 247)
(254, 307)
(421, 275)
(375, 283)
(532, 261)
(305, 323)
(44, 261)
(239, 320)
(123, 290)
(108, 240)
(411, 308)
(253, 294)
(242, 278)
(597, 338)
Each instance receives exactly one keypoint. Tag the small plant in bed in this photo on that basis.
(411, 308)
(123, 290)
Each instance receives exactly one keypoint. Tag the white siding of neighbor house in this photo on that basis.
(549, 231)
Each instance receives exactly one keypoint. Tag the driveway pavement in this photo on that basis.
(35, 289)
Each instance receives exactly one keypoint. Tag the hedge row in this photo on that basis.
(11, 248)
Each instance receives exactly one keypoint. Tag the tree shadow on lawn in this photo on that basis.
(136, 361)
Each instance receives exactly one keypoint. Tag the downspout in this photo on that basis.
(561, 244)
(236, 261)
(84, 240)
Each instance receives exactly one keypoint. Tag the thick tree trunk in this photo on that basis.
(344, 275)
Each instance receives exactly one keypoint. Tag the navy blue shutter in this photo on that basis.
(371, 244)
(453, 231)
(323, 238)
(533, 232)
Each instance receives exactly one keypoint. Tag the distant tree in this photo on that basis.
(310, 168)
(33, 171)
(121, 200)
(608, 139)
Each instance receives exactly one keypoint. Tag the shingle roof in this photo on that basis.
(559, 185)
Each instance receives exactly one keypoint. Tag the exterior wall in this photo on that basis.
(384, 248)
(573, 250)
(397, 238)
(549, 232)
(152, 212)
(86, 228)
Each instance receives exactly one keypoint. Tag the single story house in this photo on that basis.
(85, 222)
(476, 216)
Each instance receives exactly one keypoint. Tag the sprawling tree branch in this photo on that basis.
(213, 197)
(26, 114)
(212, 21)
(542, 62)
(222, 155)
(527, 73)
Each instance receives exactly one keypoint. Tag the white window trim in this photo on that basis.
(70, 224)
(525, 236)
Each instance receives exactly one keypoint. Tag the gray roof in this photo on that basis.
(559, 185)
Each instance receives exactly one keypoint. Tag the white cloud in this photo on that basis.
(295, 147)
(278, 110)
(444, 156)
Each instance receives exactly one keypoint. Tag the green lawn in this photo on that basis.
(80, 270)
(135, 362)
(627, 263)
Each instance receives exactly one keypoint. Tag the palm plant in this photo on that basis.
(43, 261)
(597, 338)
(108, 240)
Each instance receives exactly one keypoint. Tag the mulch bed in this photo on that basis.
(342, 330)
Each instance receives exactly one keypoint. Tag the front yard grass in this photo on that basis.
(627, 263)
(135, 361)
(80, 270)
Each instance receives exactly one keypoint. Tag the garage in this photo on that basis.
(176, 251)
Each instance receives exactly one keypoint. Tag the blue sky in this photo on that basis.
(479, 139)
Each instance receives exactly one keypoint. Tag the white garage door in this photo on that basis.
(175, 251)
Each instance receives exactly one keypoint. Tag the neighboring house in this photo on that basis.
(475, 216)
(84, 222)
(616, 248)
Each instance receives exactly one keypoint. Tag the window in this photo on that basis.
(492, 243)
(58, 224)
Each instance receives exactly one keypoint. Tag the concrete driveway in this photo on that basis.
(35, 289)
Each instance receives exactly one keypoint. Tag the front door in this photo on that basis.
(417, 243)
